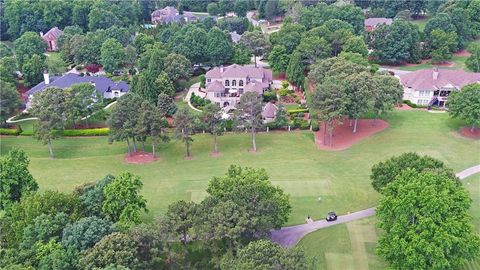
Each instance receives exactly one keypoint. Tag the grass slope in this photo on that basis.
(352, 245)
(340, 178)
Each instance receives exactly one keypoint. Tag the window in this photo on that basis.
(240, 83)
(227, 83)
(240, 91)
(115, 93)
(423, 93)
(423, 101)
(217, 94)
(234, 83)
(208, 80)
(218, 103)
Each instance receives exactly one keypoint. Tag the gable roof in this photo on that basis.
(52, 34)
(102, 84)
(433, 79)
(270, 110)
(235, 71)
(377, 21)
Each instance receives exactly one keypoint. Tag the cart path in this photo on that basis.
(290, 236)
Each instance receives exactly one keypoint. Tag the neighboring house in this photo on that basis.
(269, 112)
(171, 15)
(235, 36)
(431, 87)
(105, 86)
(225, 85)
(372, 23)
(51, 38)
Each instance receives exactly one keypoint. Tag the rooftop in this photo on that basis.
(102, 84)
(434, 79)
(377, 21)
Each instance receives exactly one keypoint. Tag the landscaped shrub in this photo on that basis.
(79, 67)
(86, 132)
(284, 92)
(296, 111)
(301, 124)
(93, 68)
(9, 131)
(198, 102)
(409, 103)
(315, 125)
(229, 125)
(202, 81)
(269, 96)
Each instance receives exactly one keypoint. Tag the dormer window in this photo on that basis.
(240, 83)
(227, 83)
(234, 83)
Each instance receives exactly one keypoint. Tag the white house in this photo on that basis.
(225, 85)
(431, 87)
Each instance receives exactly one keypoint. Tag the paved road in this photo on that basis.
(289, 236)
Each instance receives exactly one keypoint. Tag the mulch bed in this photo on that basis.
(462, 53)
(343, 136)
(467, 132)
(403, 107)
(280, 76)
(140, 158)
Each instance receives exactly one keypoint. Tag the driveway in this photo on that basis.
(194, 89)
(397, 72)
(289, 236)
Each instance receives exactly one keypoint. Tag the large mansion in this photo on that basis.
(171, 15)
(225, 85)
(433, 86)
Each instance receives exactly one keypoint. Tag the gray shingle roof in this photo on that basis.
(377, 21)
(52, 34)
(102, 84)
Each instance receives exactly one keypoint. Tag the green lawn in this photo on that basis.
(458, 63)
(421, 23)
(352, 245)
(293, 162)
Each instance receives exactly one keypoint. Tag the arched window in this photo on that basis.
(234, 83)
(240, 83)
(227, 83)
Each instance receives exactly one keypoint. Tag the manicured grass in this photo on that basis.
(346, 246)
(458, 63)
(421, 23)
(340, 178)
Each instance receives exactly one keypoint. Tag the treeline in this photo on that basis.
(99, 224)
(345, 91)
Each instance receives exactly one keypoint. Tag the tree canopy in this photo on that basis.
(465, 104)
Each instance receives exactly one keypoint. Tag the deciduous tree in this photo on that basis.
(16, 180)
(50, 107)
(111, 55)
(164, 85)
(28, 45)
(219, 47)
(123, 202)
(180, 218)
(465, 105)
(249, 114)
(185, 127)
(9, 100)
(256, 42)
(473, 61)
(86, 232)
(212, 122)
(177, 67)
(425, 222)
(278, 58)
(33, 70)
(386, 172)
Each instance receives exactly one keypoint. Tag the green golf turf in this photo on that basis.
(340, 178)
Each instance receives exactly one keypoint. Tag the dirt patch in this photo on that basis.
(215, 154)
(403, 107)
(140, 158)
(280, 76)
(467, 132)
(462, 53)
(343, 136)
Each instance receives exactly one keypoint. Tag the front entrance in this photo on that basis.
(226, 103)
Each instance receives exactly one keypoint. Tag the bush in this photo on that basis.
(409, 103)
(315, 125)
(79, 67)
(9, 131)
(229, 125)
(301, 124)
(301, 114)
(198, 102)
(296, 111)
(283, 92)
(86, 132)
(202, 81)
(269, 96)
(93, 68)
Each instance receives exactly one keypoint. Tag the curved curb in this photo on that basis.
(189, 94)
(290, 236)
(10, 121)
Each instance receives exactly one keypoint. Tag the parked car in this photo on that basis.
(331, 216)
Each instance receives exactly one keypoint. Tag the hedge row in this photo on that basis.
(9, 131)
(66, 132)
(294, 111)
(86, 132)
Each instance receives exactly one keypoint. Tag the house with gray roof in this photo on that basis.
(269, 112)
(105, 86)
(372, 23)
(171, 15)
(225, 85)
(431, 87)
